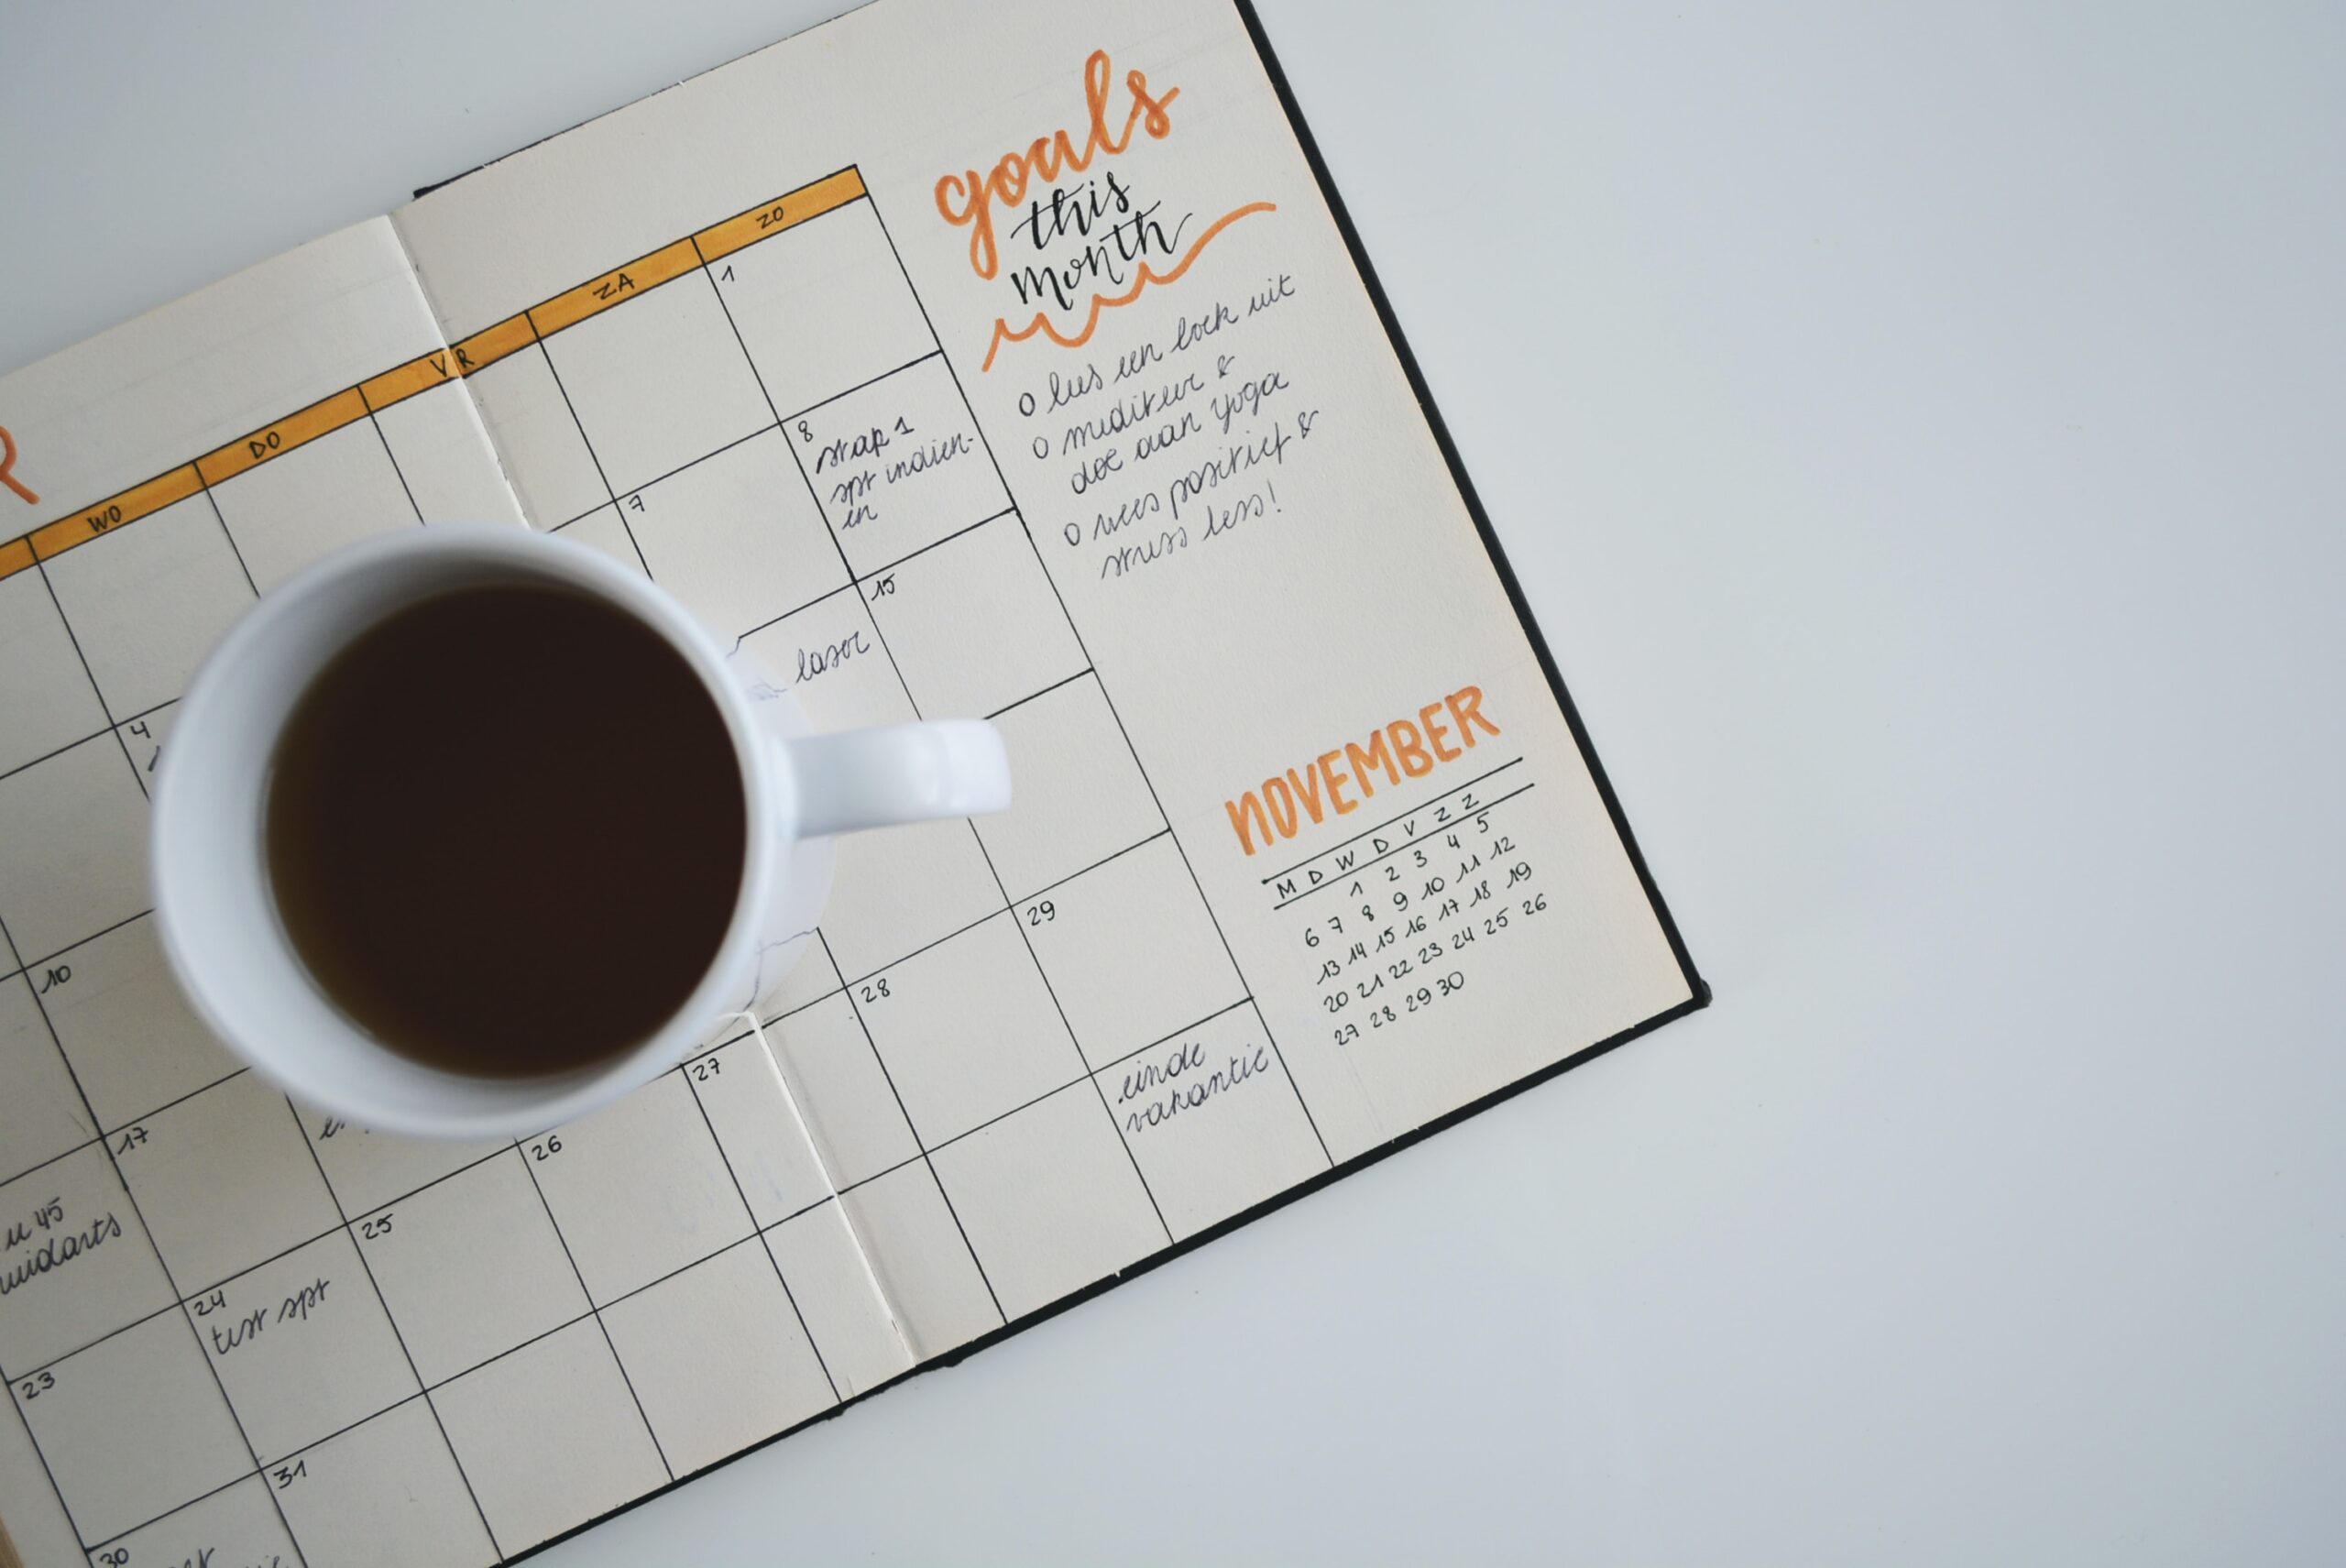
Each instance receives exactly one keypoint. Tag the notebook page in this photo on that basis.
(163, 475)
(1010, 365)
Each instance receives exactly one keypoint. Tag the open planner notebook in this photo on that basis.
(1012, 363)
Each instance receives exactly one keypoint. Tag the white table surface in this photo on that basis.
(1923, 435)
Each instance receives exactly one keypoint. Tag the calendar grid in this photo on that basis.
(926, 1156)
(1303, 893)
(858, 582)
(423, 1392)
(180, 1298)
(1091, 1075)
(107, 930)
(847, 566)
(1009, 904)
(436, 1384)
(31, 1439)
(213, 502)
(996, 913)
(681, 1071)
(114, 725)
(59, 752)
(426, 1389)
(454, 362)
(593, 1311)
(535, 328)
(757, 1234)
(126, 1123)
(232, 1484)
(1046, 691)
(1196, 886)
(1054, 1091)
(610, 496)
(798, 464)
(375, 423)
(48, 1474)
(899, 1120)
(753, 435)
(202, 1496)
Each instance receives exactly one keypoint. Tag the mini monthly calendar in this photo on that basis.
(1016, 364)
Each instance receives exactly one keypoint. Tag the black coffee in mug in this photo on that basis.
(506, 828)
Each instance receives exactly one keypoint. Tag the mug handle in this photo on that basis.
(896, 774)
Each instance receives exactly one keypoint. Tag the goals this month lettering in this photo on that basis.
(1411, 747)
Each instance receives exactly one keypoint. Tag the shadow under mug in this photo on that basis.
(215, 909)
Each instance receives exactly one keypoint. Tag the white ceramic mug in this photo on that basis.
(216, 911)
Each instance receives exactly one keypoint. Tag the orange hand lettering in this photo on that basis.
(7, 468)
(969, 197)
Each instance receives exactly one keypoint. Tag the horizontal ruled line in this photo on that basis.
(835, 397)
(237, 1481)
(122, 723)
(1046, 691)
(1352, 871)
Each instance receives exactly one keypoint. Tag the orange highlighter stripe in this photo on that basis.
(620, 284)
(152, 496)
(418, 375)
(492, 344)
(321, 418)
(748, 228)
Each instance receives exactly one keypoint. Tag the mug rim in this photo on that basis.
(307, 1074)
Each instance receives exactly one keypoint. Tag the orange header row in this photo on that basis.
(422, 373)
